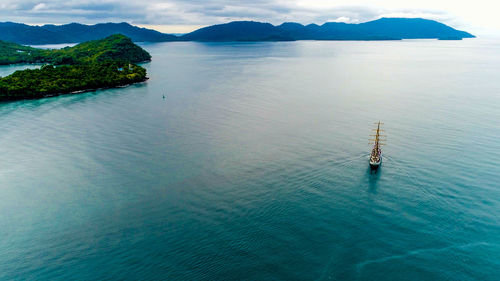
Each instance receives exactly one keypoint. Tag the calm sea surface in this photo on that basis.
(255, 167)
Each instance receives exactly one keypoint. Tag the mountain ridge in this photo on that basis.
(380, 29)
(76, 32)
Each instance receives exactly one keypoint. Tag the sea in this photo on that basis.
(249, 161)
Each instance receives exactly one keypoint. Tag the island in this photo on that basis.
(380, 29)
(106, 63)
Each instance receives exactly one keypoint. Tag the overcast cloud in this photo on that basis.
(193, 13)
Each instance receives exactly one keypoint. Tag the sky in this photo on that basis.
(181, 16)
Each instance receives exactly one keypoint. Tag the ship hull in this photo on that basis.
(375, 165)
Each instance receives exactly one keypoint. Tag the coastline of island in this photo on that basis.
(100, 64)
(92, 89)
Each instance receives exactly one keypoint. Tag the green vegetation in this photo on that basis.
(91, 65)
(114, 47)
(14, 53)
(51, 81)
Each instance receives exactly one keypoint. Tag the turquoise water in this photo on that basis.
(255, 167)
(9, 69)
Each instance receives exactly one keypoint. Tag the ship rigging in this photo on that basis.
(376, 154)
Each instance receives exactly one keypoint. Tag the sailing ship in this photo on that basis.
(376, 154)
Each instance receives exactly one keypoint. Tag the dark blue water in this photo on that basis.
(255, 167)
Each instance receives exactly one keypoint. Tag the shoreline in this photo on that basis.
(22, 63)
(75, 92)
(44, 63)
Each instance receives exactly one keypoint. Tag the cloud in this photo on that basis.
(343, 19)
(206, 12)
(39, 6)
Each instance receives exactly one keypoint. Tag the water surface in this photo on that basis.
(6, 70)
(255, 167)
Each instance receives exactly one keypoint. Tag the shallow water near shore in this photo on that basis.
(255, 167)
(6, 70)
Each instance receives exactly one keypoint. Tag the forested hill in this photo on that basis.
(114, 47)
(87, 66)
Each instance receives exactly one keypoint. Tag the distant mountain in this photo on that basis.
(238, 31)
(27, 34)
(75, 33)
(413, 28)
(80, 32)
(332, 31)
(381, 29)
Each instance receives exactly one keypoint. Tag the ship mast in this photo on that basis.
(376, 140)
